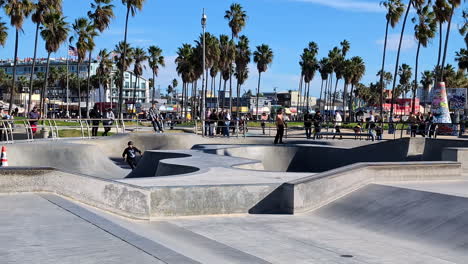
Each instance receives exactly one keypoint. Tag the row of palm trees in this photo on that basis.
(334, 65)
(225, 56)
(51, 26)
(430, 18)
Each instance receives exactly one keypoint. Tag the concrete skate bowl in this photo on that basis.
(424, 218)
(318, 158)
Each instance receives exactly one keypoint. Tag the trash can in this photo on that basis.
(45, 132)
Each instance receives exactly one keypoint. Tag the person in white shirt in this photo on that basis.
(109, 120)
(338, 123)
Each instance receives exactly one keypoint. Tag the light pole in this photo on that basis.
(203, 108)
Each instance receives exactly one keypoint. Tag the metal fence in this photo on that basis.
(29, 130)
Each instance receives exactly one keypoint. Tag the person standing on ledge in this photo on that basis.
(129, 155)
(280, 124)
(153, 116)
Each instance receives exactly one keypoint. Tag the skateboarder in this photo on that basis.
(129, 155)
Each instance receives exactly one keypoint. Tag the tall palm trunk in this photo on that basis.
(334, 93)
(124, 67)
(398, 57)
(31, 79)
(88, 84)
(79, 87)
(446, 44)
(440, 48)
(219, 88)
(258, 93)
(154, 88)
(238, 99)
(351, 115)
(46, 84)
(134, 93)
(206, 91)
(330, 89)
(13, 82)
(415, 88)
(182, 99)
(299, 94)
(230, 92)
(223, 102)
(100, 95)
(308, 90)
(382, 88)
(325, 95)
(345, 94)
(212, 87)
(320, 98)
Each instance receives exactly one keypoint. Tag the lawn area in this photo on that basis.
(77, 133)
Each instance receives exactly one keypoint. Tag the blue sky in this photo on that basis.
(286, 25)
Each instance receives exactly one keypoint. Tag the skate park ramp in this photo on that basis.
(434, 219)
(320, 158)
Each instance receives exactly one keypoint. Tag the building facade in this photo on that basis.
(58, 91)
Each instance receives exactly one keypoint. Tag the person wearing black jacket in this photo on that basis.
(318, 119)
(129, 155)
(96, 115)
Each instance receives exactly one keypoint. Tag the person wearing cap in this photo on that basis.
(109, 120)
(129, 155)
(33, 116)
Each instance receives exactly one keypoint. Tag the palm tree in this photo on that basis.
(454, 4)
(442, 13)
(426, 82)
(101, 16)
(227, 55)
(103, 72)
(464, 28)
(408, 8)
(395, 9)
(85, 34)
(242, 60)
(359, 69)
(263, 57)
(54, 34)
(348, 75)
(18, 11)
(3, 33)
(41, 8)
(237, 19)
(184, 69)
(140, 57)
(132, 7)
(175, 83)
(324, 70)
(118, 59)
(309, 67)
(462, 58)
(405, 73)
(424, 31)
(155, 60)
(170, 91)
(333, 56)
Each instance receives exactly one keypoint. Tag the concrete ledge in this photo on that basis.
(116, 197)
(310, 193)
(457, 155)
(208, 200)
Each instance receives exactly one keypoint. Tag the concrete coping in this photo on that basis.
(362, 165)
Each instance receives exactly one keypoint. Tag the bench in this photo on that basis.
(355, 135)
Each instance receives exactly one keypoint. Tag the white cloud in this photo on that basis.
(394, 39)
(349, 5)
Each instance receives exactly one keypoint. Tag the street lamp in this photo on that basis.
(203, 108)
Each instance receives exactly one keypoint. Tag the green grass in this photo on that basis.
(77, 133)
